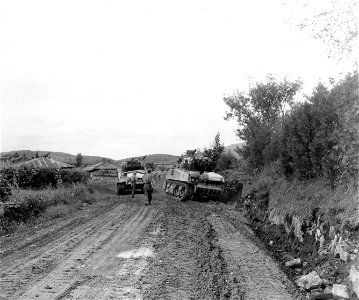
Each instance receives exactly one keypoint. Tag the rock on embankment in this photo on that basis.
(321, 259)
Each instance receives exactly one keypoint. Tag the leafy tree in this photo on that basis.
(345, 100)
(319, 137)
(334, 22)
(227, 161)
(16, 155)
(78, 159)
(259, 114)
(37, 155)
(215, 151)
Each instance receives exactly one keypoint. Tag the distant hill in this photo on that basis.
(60, 156)
(155, 158)
(233, 147)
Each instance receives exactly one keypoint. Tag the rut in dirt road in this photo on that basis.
(125, 250)
(79, 255)
(258, 275)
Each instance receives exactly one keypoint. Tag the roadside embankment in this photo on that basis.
(311, 228)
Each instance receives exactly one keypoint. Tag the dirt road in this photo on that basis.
(122, 249)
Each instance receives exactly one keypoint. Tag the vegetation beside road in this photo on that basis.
(27, 206)
(304, 155)
(302, 196)
(29, 194)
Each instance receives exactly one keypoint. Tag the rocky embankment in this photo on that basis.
(321, 259)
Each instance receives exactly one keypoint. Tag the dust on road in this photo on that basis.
(125, 250)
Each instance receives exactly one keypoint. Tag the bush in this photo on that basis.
(21, 211)
(26, 204)
(5, 189)
(319, 137)
(227, 160)
(42, 178)
(70, 177)
(9, 174)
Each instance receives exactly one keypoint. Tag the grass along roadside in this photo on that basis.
(338, 207)
(26, 206)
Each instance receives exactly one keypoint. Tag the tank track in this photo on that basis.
(121, 188)
(178, 190)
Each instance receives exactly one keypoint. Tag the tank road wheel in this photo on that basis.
(121, 188)
(186, 193)
(178, 190)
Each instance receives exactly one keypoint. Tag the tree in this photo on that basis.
(259, 114)
(227, 160)
(215, 151)
(333, 22)
(319, 137)
(37, 155)
(78, 160)
(16, 155)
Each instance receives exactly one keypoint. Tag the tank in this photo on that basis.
(194, 178)
(124, 176)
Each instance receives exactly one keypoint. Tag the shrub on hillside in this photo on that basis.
(227, 160)
(42, 178)
(26, 204)
(69, 177)
(45, 178)
(5, 189)
(21, 211)
(9, 174)
(320, 137)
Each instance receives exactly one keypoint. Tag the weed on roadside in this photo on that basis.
(25, 205)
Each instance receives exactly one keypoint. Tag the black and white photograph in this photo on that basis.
(154, 149)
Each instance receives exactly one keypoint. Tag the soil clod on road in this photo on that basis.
(122, 249)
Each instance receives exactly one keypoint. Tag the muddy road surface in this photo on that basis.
(122, 249)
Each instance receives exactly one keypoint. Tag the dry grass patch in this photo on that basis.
(25, 205)
(57, 211)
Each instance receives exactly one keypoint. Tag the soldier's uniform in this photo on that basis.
(147, 180)
(133, 184)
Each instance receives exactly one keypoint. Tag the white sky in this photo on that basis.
(128, 78)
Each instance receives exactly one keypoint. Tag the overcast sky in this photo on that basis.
(128, 78)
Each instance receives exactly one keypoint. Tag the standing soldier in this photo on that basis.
(147, 180)
(133, 184)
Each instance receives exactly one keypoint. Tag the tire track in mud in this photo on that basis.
(47, 233)
(258, 275)
(34, 265)
(90, 270)
(111, 273)
(186, 264)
